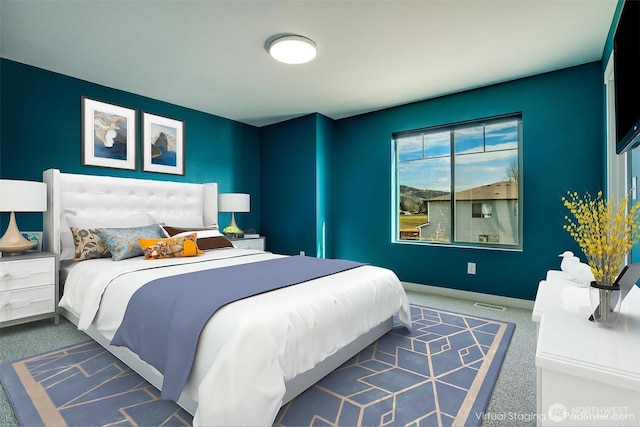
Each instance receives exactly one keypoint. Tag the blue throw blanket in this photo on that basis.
(164, 318)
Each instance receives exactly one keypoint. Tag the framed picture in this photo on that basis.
(108, 135)
(33, 236)
(162, 144)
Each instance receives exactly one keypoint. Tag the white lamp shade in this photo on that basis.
(234, 202)
(22, 196)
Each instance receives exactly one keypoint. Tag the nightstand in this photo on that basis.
(28, 288)
(249, 243)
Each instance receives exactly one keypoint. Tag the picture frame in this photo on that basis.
(33, 236)
(162, 144)
(108, 135)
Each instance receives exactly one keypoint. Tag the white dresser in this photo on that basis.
(586, 375)
(28, 288)
(249, 243)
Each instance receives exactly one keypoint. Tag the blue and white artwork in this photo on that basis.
(110, 136)
(163, 145)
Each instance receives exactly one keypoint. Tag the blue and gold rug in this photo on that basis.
(84, 385)
(441, 374)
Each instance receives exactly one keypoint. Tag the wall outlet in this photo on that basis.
(302, 253)
(471, 268)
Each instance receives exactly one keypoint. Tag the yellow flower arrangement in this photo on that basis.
(604, 230)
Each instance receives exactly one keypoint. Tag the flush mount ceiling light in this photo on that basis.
(293, 49)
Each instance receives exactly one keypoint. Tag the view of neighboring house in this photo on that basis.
(485, 214)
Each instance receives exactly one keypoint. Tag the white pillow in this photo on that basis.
(66, 238)
(84, 220)
(214, 232)
(183, 221)
(207, 238)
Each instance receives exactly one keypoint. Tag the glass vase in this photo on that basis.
(605, 303)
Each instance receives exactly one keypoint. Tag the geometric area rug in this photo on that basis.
(84, 385)
(440, 374)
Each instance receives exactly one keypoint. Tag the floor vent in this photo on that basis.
(490, 306)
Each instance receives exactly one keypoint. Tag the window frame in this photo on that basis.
(451, 127)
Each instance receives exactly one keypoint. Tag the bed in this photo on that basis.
(253, 355)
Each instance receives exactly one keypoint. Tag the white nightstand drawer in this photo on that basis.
(20, 274)
(27, 302)
(249, 243)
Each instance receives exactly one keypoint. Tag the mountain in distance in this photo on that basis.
(418, 194)
(412, 197)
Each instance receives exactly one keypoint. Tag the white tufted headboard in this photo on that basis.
(165, 201)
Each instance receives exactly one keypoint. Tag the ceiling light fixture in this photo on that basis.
(293, 49)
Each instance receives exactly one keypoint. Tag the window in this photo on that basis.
(481, 210)
(458, 184)
(486, 238)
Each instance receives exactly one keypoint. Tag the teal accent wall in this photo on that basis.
(288, 185)
(41, 129)
(325, 136)
(562, 150)
(324, 186)
(298, 185)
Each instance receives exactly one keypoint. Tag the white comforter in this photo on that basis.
(249, 348)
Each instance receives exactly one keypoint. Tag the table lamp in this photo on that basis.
(20, 196)
(234, 202)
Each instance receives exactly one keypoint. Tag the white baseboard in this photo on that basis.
(468, 295)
